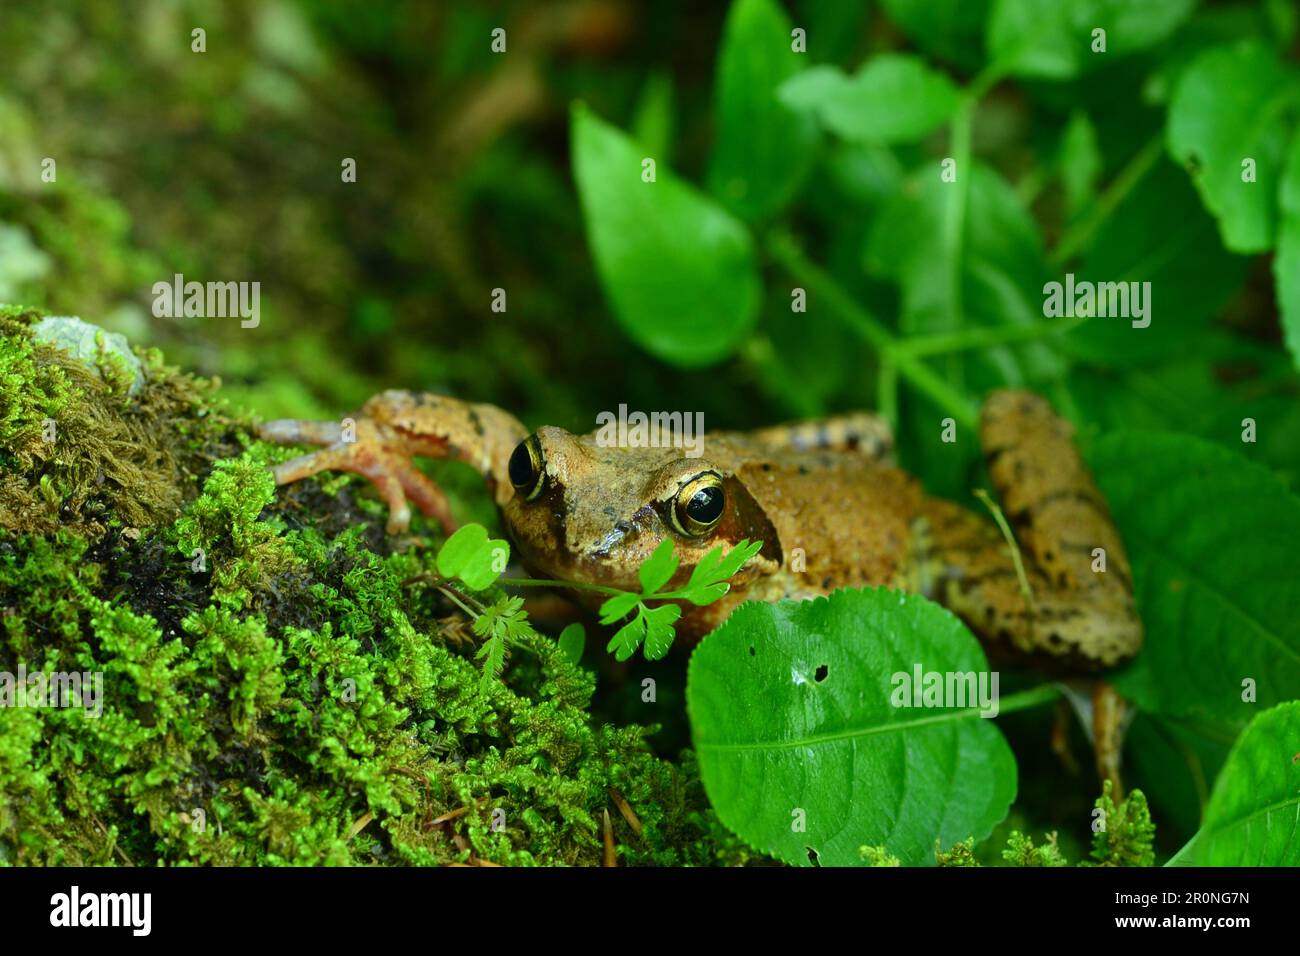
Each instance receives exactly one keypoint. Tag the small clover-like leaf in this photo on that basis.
(659, 568)
(572, 641)
(473, 557)
(628, 637)
(709, 579)
(659, 634)
(618, 607)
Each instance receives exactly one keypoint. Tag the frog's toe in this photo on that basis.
(297, 431)
(424, 494)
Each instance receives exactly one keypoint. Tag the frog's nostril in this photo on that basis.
(616, 534)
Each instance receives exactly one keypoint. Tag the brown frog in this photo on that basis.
(830, 507)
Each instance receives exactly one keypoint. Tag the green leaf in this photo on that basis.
(1054, 40)
(572, 641)
(1192, 277)
(470, 555)
(1212, 538)
(1230, 106)
(1254, 814)
(708, 580)
(618, 607)
(652, 125)
(493, 655)
(950, 29)
(657, 569)
(1286, 264)
(1080, 161)
(679, 270)
(792, 720)
(764, 149)
(659, 633)
(654, 626)
(894, 98)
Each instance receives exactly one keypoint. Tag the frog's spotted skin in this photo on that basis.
(830, 507)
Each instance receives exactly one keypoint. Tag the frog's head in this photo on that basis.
(592, 514)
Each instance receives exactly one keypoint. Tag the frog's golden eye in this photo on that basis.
(699, 504)
(527, 469)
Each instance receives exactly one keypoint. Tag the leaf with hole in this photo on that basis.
(802, 751)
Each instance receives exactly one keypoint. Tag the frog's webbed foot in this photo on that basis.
(391, 428)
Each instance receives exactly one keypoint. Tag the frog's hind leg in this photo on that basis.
(858, 432)
(1071, 599)
(1082, 601)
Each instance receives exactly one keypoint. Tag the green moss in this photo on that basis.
(78, 451)
(1021, 851)
(1127, 835)
(274, 687)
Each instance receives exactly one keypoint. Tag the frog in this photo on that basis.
(825, 497)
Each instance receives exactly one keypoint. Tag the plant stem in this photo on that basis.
(787, 252)
(553, 583)
(1026, 699)
(452, 596)
(987, 337)
(1081, 233)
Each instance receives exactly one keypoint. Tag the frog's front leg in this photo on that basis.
(390, 429)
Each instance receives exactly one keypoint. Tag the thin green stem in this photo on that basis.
(553, 583)
(986, 337)
(451, 596)
(791, 257)
(1026, 699)
(1081, 233)
(1005, 528)
(887, 392)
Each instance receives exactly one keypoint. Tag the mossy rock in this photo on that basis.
(275, 689)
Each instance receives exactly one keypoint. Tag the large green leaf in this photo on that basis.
(1192, 277)
(1214, 541)
(791, 714)
(1048, 38)
(1254, 814)
(764, 148)
(1228, 107)
(950, 29)
(1286, 264)
(893, 98)
(679, 269)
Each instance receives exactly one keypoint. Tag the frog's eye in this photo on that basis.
(699, 504)
(527, 468)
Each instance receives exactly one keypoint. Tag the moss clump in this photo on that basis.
(78, 451)
(1128, 835)
(273, 688)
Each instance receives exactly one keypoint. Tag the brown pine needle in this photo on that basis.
(611, 857)
(361, 824)
(626, 809)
